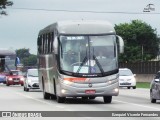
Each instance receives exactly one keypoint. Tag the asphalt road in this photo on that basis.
(13, 98)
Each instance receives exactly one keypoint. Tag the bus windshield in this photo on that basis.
(88, 54)
(10, 61)
(7, 62)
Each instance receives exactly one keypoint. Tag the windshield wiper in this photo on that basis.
(84, 60)
(99, 65)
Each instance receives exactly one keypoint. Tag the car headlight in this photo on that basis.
(22, 79)
(29, 81)
(133, 79)
(10, 79)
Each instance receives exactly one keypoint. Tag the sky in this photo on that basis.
(19, 29)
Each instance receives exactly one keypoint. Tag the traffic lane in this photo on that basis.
(12, 98)
(34, 96)
(126, 101)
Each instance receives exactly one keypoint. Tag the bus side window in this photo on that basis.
(52, 39)
(39, 43)
(43, 44)
(49, 43)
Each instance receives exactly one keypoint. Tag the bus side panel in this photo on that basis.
(43, 73)
(51, 69)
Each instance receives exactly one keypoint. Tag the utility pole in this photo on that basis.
(142, 52)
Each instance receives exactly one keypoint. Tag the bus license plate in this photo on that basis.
(90, 91)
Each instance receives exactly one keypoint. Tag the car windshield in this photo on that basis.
(88, 54)
(157, 75)
(125, 73)
(33, 73)
(16, 73)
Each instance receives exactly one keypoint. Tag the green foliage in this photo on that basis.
(3, 4)
(143, 85)
(22, 53)
(141, 41)
(30, 61)
(26, 58)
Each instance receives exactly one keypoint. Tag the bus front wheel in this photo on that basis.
(60, 99)
(107, 99)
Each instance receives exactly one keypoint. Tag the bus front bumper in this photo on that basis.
(80, 90)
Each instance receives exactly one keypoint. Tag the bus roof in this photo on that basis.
(80, 27)
(4, 52)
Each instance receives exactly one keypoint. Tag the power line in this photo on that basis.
(60, 10)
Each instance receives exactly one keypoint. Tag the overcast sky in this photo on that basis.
(20, 28)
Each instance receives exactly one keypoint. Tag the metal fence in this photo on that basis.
(150, 67)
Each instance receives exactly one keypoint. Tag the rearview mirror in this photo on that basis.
(120, 43)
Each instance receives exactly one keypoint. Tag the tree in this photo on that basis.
(26, 58)
(3, 5)
(30, 61)
(22, 53)
(140, 39)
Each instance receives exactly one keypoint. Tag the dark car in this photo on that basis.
(15, 77)
(155, 88)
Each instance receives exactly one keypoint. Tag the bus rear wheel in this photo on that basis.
(107, 99)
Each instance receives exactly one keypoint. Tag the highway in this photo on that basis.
(13, 98)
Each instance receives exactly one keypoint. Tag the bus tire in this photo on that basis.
(53, 96)
(107, 99)
(60, 99)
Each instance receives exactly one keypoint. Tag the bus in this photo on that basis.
(7, 63)
(68, 62)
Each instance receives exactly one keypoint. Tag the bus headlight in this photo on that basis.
(116, 89)
(63, 91)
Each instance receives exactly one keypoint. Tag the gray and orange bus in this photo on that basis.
(79, 59)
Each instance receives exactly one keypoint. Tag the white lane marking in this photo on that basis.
(38, 100)
(70, 110)
(138, 105)
(60, 107)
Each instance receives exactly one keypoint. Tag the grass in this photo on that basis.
(143, 85)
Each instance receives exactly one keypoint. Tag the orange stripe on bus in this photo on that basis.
(75, 79)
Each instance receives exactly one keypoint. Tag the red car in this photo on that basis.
(15, 77)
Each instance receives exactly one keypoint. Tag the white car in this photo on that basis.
(126, 78)
(31, 81)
